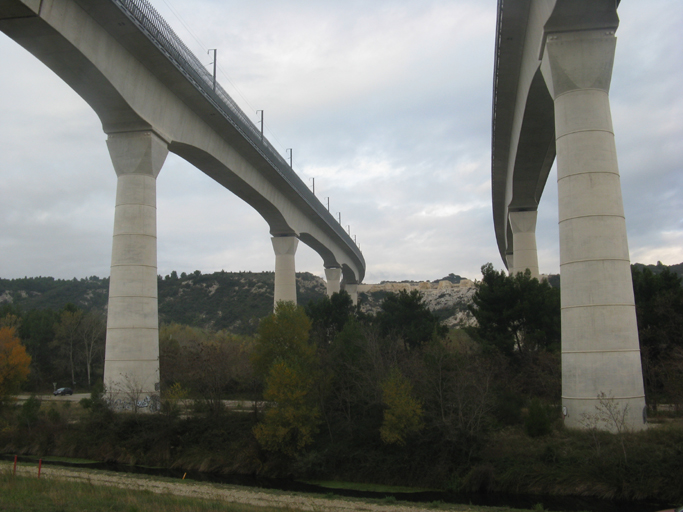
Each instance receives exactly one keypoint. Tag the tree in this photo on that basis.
(516, 314)
(407, 316)
(329, 314)
(67, 336)
(37, 332)
(659, 309)
(291, 367)
(283, 336)
(290, 425)
(403, 413)
(14, 363)
(356, 364)
(92, 333)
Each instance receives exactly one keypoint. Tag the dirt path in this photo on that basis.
(221, 492)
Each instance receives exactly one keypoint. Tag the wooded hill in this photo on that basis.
(222, 300)
(234, 301)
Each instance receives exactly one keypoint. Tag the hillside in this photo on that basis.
(234, 301)
(237, 300)
(222, 300)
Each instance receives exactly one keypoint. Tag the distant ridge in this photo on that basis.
(235, 301)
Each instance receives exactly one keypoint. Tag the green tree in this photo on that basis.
(406, 315)
(659, 309)
(356, 364)
(37, 332)
(329, 314)
(516, 314)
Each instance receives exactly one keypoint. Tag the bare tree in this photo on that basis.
(67, 334)
(609, 415)
(92, 333)
(131, 390)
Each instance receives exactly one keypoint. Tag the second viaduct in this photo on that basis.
(551, 99)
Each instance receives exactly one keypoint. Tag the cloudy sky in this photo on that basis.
(387, 104)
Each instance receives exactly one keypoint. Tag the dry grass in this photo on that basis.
(72, 490)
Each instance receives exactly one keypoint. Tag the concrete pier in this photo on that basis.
(352, 290)
(600, 348)
(131, 366)
(510, 260)
(523, 226)
(333, 278)
(285, 271)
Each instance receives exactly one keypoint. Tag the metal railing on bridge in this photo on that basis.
(159, 32)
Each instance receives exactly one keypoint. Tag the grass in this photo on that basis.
(29, 494)
(24, 494)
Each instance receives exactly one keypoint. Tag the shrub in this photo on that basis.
(539, 420)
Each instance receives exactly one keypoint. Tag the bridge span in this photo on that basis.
(551, 100)
(153, 96)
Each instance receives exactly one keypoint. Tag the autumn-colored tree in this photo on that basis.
(291, 367)
(291, 424)
(283, 336)
(14, 363)
(403, 413)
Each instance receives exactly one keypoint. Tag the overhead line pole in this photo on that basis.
(215, 58)
(261, 122)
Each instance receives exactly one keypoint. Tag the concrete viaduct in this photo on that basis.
(551, 99)
(153, 96)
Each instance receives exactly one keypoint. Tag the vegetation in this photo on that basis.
(388, 399)
(29, 494)
(25, 494)
(659, 307)
(233, 301)
(14, 364)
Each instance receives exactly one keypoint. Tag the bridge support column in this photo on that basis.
(523, 226)
(600, 348)
(510, 260)
(352, 290)
(131, 363)
(333, 277)
(285, 272)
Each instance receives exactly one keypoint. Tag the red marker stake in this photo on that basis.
(40, 464)
(15, 465)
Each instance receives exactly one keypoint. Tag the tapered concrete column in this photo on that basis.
(285, 272)
(333, 277)
(131, 366)
(523, 226)
(600, 348)
(510, 260)
(352, 290)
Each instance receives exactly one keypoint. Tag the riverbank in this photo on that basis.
(21, 494)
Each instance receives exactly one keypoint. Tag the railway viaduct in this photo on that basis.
(153, 96)
(551, 101)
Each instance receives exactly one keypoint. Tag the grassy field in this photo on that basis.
(26, 494)
(53, 493)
